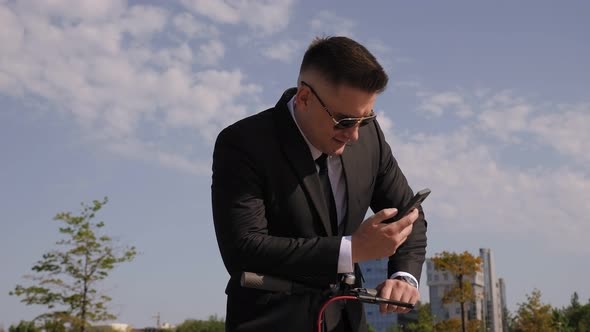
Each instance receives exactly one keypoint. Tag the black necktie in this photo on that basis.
(322, 162)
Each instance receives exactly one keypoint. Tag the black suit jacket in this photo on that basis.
(270, 217)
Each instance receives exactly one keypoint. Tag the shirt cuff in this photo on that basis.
(345, 256)
(404, 274)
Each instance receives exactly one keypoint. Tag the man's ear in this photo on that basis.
(302, 97)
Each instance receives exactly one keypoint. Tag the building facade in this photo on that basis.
(440, 282)
(489, 292)
(374, 273)
(492, 307)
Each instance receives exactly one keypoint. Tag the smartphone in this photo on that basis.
(412, 204)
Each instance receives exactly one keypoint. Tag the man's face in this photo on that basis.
(341, 102)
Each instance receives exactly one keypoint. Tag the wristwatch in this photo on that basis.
(408, 280)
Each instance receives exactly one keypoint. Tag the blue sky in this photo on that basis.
(488, 106)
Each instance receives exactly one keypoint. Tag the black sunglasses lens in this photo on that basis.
(366, 122)
(346, 123)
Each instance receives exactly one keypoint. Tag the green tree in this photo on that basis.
(371, 328)
(65, 279)
(575, 317)
(213, 324)
(461, 266)
(24, 326)
(474, 325)
(533, 315)
(53, 325)
(425, 322)
(449, 325)
(559, 321)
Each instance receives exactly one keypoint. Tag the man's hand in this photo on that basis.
(374, 240)
(397, 290)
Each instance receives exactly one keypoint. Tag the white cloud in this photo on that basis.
(476, 193)
(192, 28)
(11, 34)
(143, 21)
(217, 10)
(76, 10)
(283, 50)
(263, 16)
(210, 53)
(328, 23)
(210, 102)
(152, 153)
(436, 104)
(568, 131)
(483, 193)
(511, 119)
(172, 57)
(102, 66)
(565, 128)
(385, 54)
(503, 115)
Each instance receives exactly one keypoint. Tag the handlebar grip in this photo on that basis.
(264, 282)
(377, 300)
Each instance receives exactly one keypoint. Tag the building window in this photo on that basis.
(445, 276)
(436, 277)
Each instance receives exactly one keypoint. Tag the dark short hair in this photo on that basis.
(342, 60)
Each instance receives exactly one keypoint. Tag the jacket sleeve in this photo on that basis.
(241, 224)
(392, 190)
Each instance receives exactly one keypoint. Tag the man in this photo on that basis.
(291, 187)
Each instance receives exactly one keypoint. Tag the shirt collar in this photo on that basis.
(315, 153)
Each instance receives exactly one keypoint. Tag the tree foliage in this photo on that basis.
(65, 279)
(449, 325)
(213, 324)
(474, 325)
(24, 326)
(575, 317)
(425, 322)
(461, 266)
(533, 315)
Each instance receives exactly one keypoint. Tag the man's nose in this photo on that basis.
(352, 134)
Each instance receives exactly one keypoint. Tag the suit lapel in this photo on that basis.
(297, 152)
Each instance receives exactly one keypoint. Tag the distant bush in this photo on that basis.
(213, 324)
(24, 326)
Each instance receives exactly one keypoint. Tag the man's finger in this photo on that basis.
(383, 215)
(384, 292)
(401, 225)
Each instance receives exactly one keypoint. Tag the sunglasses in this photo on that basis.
(346, 122)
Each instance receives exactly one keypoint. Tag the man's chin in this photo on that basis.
(339, 150)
